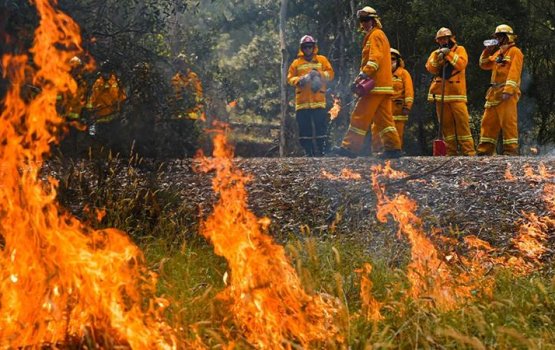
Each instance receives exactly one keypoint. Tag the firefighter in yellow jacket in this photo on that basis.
(374, 106)
(505, 61)
(188, 102)
(402, 98)
(71, 105)
(107, 96)
(309, 74)
(451, 59)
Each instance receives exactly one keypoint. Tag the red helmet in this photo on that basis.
(307, 39)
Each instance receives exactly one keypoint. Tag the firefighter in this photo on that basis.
(373, 106)
(105, 104)
(505, 61)
(451, 59)
(309, 73)
(70, 104)
(189, 99)
(402, 99)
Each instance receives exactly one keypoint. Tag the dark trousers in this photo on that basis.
(313, 130)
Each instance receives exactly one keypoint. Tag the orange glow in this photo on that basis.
(334, 111)
(265, 294)
(61, 283)
(370, 306)
(232, 104)
(508, 174)
(431, 275)
(346, 174)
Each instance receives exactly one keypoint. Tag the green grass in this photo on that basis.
(520, 314)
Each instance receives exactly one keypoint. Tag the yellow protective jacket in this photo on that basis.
(70, 105)
(506, 67)
(376, 61)
(106, 98)
(305, 97)
(403, 93)
(188, 84)
(455, 86)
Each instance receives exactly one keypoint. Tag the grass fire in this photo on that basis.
(113, 236)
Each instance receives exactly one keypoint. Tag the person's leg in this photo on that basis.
(462, 125)
(509, 125)
(305, 131)
(489, 132)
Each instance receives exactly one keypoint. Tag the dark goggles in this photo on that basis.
(307, 46)
(364, 19)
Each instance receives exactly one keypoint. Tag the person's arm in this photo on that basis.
(409, 92)
(512, 84)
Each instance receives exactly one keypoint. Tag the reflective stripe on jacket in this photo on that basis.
(376, 61)
(506, 70)
(106, 97)
(305, 98)
(403, 92)
(455, 86)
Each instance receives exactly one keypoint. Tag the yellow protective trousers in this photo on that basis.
(456, 127)
(377, 145)
(502, 117)
(373, 108)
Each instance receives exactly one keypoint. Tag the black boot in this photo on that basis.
(341, 152)
(391, 154)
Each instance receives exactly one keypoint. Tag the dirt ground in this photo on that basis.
(486, 197)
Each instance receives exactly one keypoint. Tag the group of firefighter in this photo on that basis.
(385, 94)
(98, 106)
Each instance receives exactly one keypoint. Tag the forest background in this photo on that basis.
(234, 47)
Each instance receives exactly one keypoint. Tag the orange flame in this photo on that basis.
(266, 295)
(370, 306)
(334, 111)
(61, 282)
(346, 174)
(508, 174)
(430, 275)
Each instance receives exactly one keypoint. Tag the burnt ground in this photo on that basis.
(461, 196)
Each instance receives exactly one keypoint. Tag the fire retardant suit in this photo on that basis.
(501, 113)
(376, 106)
(185, 85)
(455, 122)
(402, 99)
(106, 98)
(310, 76)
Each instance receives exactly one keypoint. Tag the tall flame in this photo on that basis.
(61, 282)
(334, 111)
(430, 275)
(266, 295)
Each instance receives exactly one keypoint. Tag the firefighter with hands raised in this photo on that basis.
(309, 74)
(449, 61)
(505, 60)
(402, 98)
(374, 86)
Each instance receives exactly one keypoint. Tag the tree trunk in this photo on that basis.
(284, 58)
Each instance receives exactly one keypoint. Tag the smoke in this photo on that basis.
(527, 108)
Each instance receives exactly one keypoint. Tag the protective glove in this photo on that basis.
(314, 73)
(405, 111)
(444, 51)
(316, 83)
(304, 80)
(506, 96)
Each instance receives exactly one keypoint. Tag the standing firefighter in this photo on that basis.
(189, 99)
(449, 62)
(309, 73)
(71, 104)
(402, 98)
(105, 103)
(374, 86)
(504, 59)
